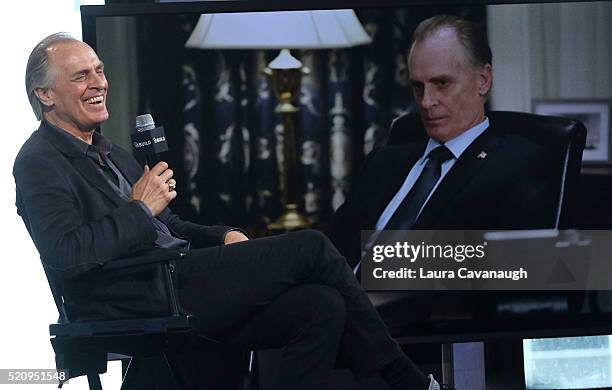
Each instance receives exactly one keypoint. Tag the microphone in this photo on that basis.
(148, 141)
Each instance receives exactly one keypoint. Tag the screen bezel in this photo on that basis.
(90, 12)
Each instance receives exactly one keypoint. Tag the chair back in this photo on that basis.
(58, 298)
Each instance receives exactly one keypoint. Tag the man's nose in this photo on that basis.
(99, 81)
(429, 99)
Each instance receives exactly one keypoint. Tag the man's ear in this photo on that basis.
(485, 80)
(44, 96)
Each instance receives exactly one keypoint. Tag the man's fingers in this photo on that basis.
(159, 168)
(166, 175)
(234, 236)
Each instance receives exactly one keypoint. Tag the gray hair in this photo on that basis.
(471, 35)
(38, 74)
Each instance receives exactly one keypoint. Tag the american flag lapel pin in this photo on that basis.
(482, 155)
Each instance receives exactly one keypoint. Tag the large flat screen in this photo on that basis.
(220, 120)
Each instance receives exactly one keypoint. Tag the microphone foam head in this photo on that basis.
(144, 122)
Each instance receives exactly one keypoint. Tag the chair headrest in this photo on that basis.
(541, 129)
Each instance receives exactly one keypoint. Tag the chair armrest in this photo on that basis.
(129, 326)
(161, 260)
(160, 257)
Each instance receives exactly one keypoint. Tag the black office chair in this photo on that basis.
(83, 348)
(563, 137)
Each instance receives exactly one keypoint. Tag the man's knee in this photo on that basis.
(319, 243)
(312, 237)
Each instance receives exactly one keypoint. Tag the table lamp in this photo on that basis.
(284, 30)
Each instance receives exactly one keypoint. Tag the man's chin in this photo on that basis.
(102, 117)
(439, 133)
(99, 119)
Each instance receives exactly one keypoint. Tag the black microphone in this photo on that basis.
(148, 141)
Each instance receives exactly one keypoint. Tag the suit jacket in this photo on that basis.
(511, 188)
(79, 223)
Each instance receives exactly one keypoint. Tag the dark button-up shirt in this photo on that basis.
(100, 153)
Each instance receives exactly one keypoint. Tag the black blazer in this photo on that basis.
(511, 188)
(79, 223)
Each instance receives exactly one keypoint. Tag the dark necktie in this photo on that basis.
(407, 212)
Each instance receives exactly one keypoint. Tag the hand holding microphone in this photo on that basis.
(155, 188)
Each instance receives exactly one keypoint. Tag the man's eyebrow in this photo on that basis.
(87, 70)
(435, 79)
(81, 71)
(443, 77)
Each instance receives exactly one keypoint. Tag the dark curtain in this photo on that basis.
(219, 116)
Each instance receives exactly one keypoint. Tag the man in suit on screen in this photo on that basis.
(466, 175)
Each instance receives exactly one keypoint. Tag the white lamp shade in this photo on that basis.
(324, 29)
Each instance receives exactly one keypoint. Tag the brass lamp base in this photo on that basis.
(290, 219)
(285, 75)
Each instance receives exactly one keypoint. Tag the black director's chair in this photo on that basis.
(83, 348)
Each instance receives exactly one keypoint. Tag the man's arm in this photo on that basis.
(202, 236)
(62, 235)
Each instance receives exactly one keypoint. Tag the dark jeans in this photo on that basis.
(294, 292)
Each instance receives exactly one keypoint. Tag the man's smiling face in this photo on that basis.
(76, 99)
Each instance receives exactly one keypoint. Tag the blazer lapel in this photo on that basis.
(86, 167)
(83, 165)
(124, 162)
(468, 165)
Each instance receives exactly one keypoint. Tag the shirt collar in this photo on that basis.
(99, 143)
(102, 143)
(461, 142)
